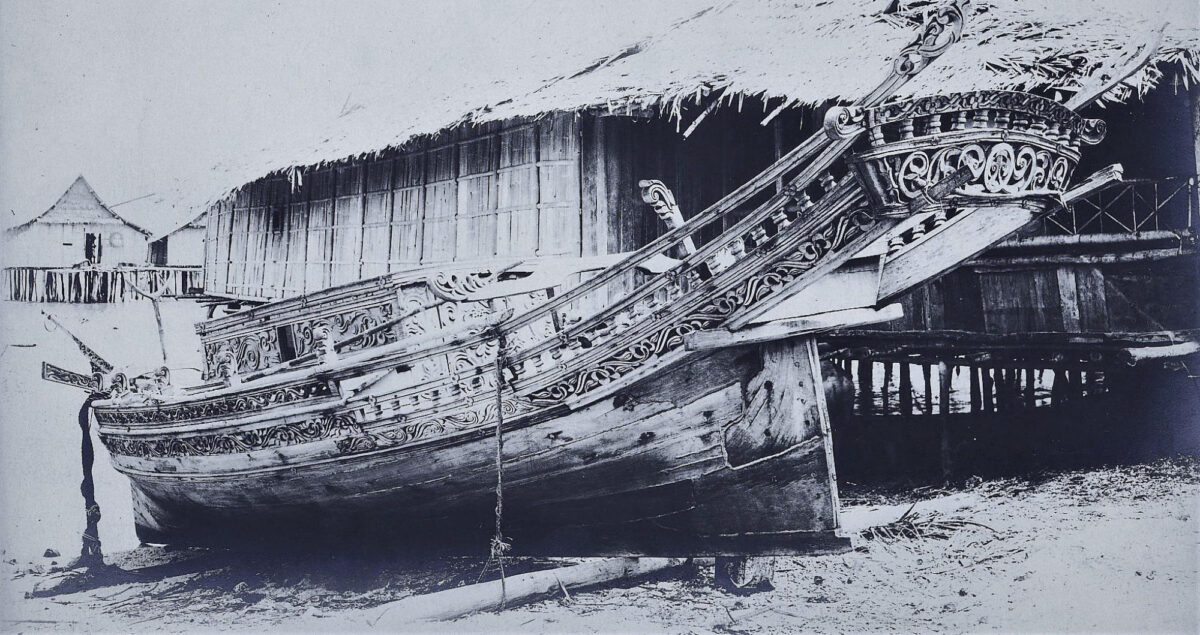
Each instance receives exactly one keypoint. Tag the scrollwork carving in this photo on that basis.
(942, 28)
(457, 285)
(284, 434)
(213, 407)
(996, 168)
(831, 237)
(844, 122)
(433, 426)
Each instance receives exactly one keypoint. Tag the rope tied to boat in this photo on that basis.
(500, 547)
(90, 553)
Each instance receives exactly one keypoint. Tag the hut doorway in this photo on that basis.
(92, 245)
(158, 253)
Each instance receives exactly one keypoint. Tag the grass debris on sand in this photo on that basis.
(1110, 549)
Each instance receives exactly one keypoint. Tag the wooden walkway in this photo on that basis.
(86, 286)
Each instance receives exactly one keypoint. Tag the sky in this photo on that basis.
(140, 96)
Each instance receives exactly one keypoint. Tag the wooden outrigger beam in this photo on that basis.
(784, 329)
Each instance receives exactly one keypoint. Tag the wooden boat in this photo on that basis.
(637, 403)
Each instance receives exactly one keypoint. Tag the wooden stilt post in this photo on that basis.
(989, 404)
(905, 389)
(1057, 388)
(887, 386)
(976, 397)
(1030, 386)
(927, 374)
(944, 377)
(866, 388)
(1003, 401)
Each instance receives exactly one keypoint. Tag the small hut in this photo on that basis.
(78, 229)
(181, 246)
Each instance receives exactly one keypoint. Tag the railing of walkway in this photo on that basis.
(1130, 207)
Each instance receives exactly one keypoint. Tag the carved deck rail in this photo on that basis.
(1014, 144)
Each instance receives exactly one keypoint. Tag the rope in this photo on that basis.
(499, 546)
(89, 553)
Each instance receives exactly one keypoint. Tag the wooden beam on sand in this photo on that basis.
(784, 329)
(1155, 353)
(519, 589)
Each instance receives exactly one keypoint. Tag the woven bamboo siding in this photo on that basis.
(495, 190)
(439, 229)
(558, 186)
(517, 198)
(408, 204)
(377, 210)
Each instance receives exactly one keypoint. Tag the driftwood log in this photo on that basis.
(520, 589)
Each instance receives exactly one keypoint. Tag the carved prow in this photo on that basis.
(662, 201)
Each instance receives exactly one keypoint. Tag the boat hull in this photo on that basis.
(724, 453)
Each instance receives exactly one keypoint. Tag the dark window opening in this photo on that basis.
(287, 343)
(92, 246)
(158, 252)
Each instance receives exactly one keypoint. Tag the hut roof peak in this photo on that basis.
(79, 204)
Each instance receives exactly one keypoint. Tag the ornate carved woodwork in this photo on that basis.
(235, 442)
(243, 353)
(1013, 144)
(204, 408)
(91, 383)
(481, 414)
(342, 326)
(662, 201)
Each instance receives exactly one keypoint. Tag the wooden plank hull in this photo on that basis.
(728, 453)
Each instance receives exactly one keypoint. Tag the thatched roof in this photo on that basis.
(196, 222)
(79, 205)
(800, 52)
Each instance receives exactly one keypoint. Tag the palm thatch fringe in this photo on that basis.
(788, 53)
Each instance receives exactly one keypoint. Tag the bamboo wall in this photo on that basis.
(477, 193)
